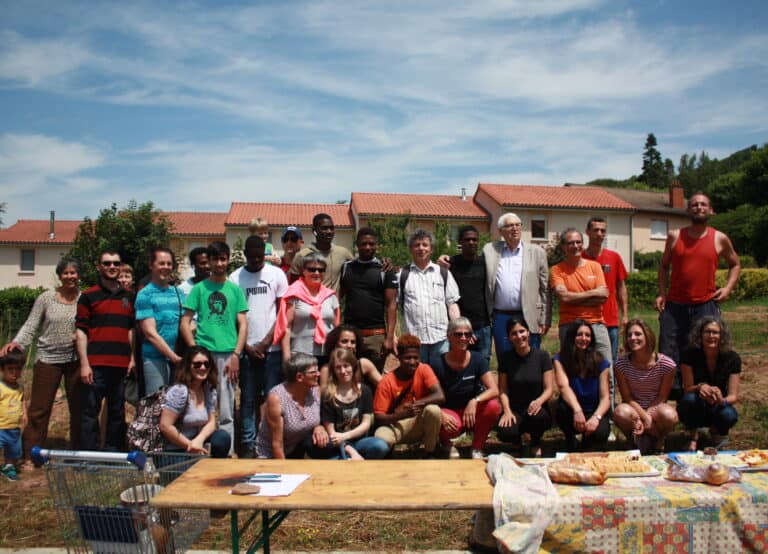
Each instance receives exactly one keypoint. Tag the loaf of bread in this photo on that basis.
(569, 474)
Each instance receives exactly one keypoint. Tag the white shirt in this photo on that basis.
(509, 279)
(425, 302)
(263, 290)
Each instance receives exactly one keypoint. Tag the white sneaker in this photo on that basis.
(612, 437)
(477, 454)
(454, 454)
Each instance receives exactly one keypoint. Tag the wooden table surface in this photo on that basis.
(336, 485)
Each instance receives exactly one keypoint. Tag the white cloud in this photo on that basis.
(31, 62)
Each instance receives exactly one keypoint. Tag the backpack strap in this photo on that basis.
(405, 271)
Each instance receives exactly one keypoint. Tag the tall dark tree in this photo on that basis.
(654, 173)
(3, 207)
(130, 232)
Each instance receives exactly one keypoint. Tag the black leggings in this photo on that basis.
(534, 425)
(596, 440)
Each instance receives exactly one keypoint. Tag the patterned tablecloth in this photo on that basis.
(651, 514)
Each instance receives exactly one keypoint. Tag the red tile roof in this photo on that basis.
(35, 231)
(281, 214)
(541, 196)
(197, 223)
(426, 205)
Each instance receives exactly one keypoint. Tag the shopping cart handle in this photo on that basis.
(41, 455)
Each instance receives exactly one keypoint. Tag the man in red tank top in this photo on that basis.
(692, 253)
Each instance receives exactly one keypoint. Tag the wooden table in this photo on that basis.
(333, 485)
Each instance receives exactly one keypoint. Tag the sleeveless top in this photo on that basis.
(297, 423)
(694, 262)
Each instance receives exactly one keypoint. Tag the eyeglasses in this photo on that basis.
(290, 239)
(315, 269)
(200, 365)
(710, 332)
(110, 263)
(511, 225)
(311, 371)
(465, 334)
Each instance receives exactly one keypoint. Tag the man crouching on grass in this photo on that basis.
(406, 403)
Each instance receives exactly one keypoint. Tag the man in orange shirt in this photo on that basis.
(580, 285)
(406, 403)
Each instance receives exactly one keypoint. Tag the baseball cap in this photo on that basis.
(292, 229)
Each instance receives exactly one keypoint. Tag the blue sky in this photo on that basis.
(194, 105)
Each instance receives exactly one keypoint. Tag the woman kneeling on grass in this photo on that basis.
(292, 426)
(710, 370)
(188, 419)
(582, 376)
(644, 379)
(347, 412)
(349, 337)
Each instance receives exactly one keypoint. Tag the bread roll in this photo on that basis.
(567, 474)
(717, 474)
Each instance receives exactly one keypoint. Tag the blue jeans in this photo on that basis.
(695, 413)
(429, 351)
(255, 375)
(676, 321)
(109, 383)
(613, 335)
(10, 444)
(157, 373)
(370, 448)
(500, 337)
(483, 342)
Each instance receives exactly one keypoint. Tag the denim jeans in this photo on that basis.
(226, 393)
(694, 412)
(613, 334)
(273, 370)
(257, 377)
(501, 338)
(483, 342)
(108, 382)
(429, 351)
(157, 373)
(370, 448)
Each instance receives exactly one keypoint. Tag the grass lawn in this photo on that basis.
(30, 520)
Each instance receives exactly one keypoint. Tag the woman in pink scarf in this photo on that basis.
(308, 311)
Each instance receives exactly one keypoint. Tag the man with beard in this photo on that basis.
(222, 327)
(689, 294)
(104, 335)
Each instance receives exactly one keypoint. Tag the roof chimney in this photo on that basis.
(676, 198)
(463, 193)
(52, 226)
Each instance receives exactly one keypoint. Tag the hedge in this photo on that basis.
(643, 286)
(15, 305)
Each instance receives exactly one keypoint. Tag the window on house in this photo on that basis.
(27, 260)
(658, 229)
(538, 228)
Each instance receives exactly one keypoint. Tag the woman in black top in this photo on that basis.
(526, 383)
(710, 371)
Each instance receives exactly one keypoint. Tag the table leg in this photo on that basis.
(235, 532)
(265, 530)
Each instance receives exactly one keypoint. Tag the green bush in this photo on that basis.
(643, 286)
(648, 260)
(15, 304)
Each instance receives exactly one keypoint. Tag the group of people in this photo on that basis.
(315, 378)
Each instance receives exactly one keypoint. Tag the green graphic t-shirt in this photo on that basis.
(216, 306)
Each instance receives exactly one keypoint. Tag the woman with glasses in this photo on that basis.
(470, 390)
(711, 376)
(51, 323)
(292, 426)
(188, 419)
(308, 311)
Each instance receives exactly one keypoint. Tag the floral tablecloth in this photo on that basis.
(651, 514)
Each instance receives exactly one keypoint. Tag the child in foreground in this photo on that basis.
(13, 412)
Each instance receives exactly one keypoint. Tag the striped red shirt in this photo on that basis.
(106, 318)
(645, 383)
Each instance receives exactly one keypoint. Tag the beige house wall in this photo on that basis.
(641, 230)
(44, 274)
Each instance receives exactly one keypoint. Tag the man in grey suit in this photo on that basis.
(517, 281)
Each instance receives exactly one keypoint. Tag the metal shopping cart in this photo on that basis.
(102, 501)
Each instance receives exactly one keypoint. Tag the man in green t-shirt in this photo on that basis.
(222, 327)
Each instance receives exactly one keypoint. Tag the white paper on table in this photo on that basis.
(287, 484)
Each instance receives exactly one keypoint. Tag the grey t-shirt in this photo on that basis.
(303, 329)
(192, 418)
